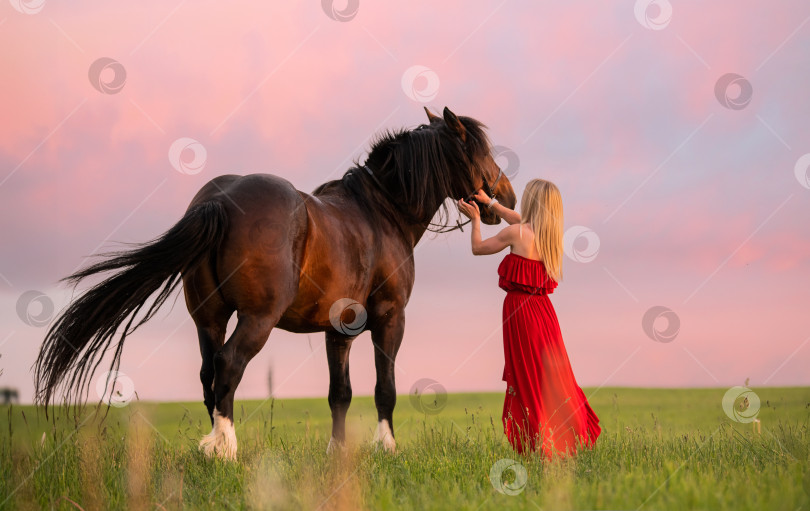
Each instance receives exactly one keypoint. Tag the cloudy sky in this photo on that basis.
(676, 132)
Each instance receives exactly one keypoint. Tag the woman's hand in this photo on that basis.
(511, 217)
(482, 197)
(471, 211)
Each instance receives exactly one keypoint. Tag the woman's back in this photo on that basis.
(524, 246)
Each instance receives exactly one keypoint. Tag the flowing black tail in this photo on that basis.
(78, 339)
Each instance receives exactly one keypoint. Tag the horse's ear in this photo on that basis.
(454, 123)
(431, 116)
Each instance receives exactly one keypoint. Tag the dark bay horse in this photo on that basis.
(339, 260)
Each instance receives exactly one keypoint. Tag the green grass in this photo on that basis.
(659, 449)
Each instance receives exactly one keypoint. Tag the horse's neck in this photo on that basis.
(413, 233)
(412, 230)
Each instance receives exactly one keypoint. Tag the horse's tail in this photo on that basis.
(78, 339)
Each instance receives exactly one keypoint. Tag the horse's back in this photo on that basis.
(241, 192)
(303, 252)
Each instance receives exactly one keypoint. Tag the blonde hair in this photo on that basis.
(541, 208)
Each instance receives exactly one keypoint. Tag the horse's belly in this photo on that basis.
(294, 322)
(327, 305)
(323, 315)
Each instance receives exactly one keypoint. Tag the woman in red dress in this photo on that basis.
(545, 409)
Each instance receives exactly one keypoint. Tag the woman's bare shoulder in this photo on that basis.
(511, 231)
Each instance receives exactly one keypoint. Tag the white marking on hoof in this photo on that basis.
(221, 441)
(384, 436)
(335, 445)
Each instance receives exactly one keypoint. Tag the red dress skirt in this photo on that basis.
(544, 407)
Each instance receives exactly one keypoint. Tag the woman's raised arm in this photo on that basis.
(505, 238)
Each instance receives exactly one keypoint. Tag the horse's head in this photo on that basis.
(481, 171)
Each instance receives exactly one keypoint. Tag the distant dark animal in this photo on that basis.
(339, 260)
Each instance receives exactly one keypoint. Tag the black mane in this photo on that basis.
(417, 170)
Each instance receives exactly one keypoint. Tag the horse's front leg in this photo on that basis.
(386, 334)
(340, 387)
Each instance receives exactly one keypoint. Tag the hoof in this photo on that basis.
(336, 446)
(221, 441)
(384, 438)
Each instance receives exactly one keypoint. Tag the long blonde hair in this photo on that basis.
(541, 208)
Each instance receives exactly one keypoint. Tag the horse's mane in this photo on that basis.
(419, 169)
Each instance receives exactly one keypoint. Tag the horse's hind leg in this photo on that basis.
(211, 340)
(211, 316)
(247, 340)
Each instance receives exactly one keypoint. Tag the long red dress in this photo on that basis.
(544, 408)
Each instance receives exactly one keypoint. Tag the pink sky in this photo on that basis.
(696, 206)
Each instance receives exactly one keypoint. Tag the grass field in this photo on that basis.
(659, 449)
